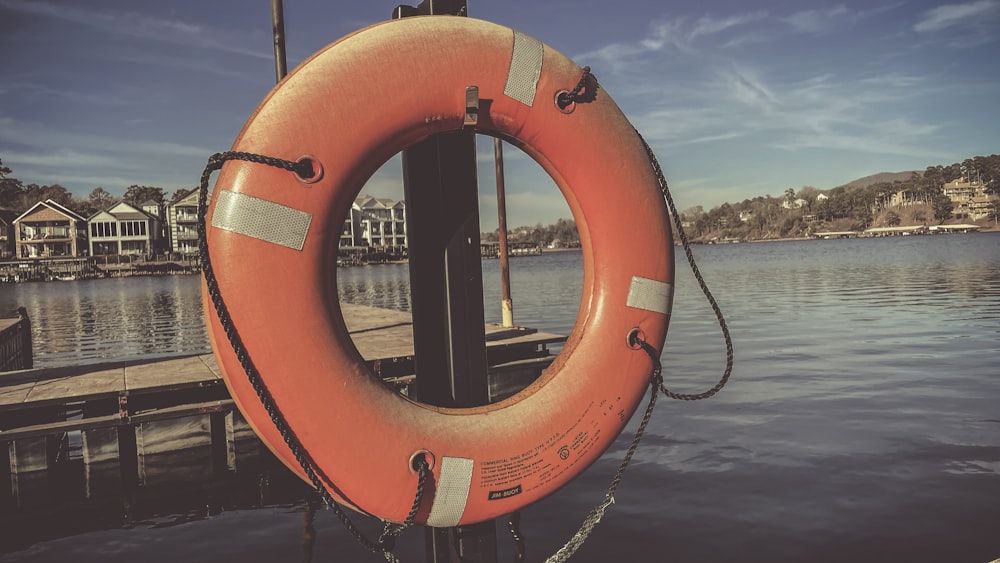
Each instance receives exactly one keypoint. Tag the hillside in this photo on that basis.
(879, 200)
(883, 178)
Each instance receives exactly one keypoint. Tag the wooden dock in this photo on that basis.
(115, 418)
(15, 342)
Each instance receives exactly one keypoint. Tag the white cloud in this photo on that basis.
(956, 15)
(815, 21)
(39, 136)
(748, 89)
(677, 33)
(707, 25)
(142, 26)
(81, 161)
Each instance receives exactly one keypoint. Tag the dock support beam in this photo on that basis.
(446, 286)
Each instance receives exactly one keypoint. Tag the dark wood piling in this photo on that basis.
(15, 342)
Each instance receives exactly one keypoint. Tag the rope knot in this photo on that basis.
(585, 91)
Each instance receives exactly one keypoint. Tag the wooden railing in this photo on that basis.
(15, 342)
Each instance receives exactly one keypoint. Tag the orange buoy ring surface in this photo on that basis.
(273, 241)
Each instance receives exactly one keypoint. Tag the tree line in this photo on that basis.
(561, 234)
(808, 210)
(794, 213)
(19, 197)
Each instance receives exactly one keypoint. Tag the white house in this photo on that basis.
(123, 229)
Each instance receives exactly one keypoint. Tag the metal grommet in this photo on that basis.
(317, 169)
(564, 102)
(635, 338)
(426, 455)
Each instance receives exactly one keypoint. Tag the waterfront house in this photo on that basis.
(49, 229)
(123, 229)
(182, 220)
(797, 203)
(375, 222)
(969, 198)
(7, 233)
(152, 208)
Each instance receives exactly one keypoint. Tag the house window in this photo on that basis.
(104, 229)
(133, 228)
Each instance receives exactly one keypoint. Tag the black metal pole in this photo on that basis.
(442, 214)
(278, 26)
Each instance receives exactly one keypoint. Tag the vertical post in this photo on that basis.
(507, 304)
(27, 354)
(440, 188)
(446, 284)
(278, 26)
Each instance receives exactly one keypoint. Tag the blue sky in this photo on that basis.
(738, 99)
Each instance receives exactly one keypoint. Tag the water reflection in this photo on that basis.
(87, 321)
(860, 423)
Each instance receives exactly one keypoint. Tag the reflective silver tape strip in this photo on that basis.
(525, 69)
(451, 492)
(261, 219)
(651, 295)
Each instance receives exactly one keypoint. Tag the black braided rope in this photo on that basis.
(588, 81)
(701, 282)
(303, 169)
(585, 90)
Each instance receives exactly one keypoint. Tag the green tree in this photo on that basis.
(178, 193)
(994, 211)
(137, 195)
(892, 219)
(10, 188)
(942, 207)
(33, 193)
(101, 200)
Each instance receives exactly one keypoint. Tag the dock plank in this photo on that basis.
(71, 385)
(380, 335)
(178, 373)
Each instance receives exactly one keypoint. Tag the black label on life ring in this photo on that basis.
(505, 493)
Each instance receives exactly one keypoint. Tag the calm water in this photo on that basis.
(862, 422)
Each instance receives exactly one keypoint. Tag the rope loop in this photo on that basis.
(585, 91)
(304, 169)
(675, 216)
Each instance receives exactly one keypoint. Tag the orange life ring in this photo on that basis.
(273, 242)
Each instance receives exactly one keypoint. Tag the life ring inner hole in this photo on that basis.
(545, 270)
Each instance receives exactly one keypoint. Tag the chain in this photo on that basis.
(594, 516)
(656, 377)
(386, 541)
(585, 90)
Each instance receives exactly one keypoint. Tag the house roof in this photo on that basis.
(365, 201)
(98, 215)
(54, 206)
(123, 212)
(189, 198)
